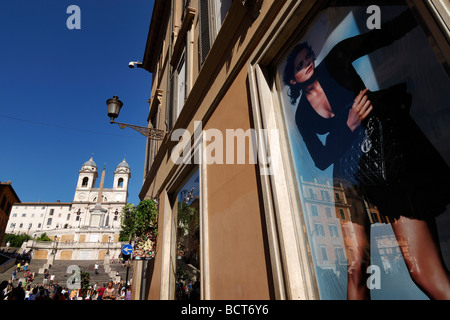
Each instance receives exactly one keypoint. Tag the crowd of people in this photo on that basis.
(110, 291)
(22, 285)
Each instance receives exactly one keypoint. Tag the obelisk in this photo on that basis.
(98, 213)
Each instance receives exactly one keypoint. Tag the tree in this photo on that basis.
(43, 237)
(136, 220)
(16, 240)
(146, 217)
(188, 219)
(127, 221)
(85, 283)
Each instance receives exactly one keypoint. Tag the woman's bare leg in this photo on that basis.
(357, 242)
(420, 248)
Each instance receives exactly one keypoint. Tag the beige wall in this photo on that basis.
(237, 257)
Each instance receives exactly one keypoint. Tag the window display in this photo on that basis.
(367, 110)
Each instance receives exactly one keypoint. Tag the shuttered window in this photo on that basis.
(205, 34)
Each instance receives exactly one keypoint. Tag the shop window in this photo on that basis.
(187, 250)
(401, 66)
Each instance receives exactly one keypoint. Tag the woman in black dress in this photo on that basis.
(415, 188)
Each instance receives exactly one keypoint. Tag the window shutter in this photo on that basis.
(181, 86)
(170, 107)
(205, 37)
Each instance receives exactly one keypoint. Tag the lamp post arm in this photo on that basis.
(151, 133)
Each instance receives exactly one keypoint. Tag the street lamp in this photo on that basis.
(114, 105)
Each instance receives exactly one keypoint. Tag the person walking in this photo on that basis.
(96, 268)
(52, 278)
(45, 278)
(13, 276)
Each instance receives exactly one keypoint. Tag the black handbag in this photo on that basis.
(376, 156)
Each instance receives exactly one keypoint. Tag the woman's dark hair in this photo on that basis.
(288, 73)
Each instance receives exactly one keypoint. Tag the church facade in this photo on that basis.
(86, 228)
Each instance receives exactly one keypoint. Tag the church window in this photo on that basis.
(85, 182)
(120, 183)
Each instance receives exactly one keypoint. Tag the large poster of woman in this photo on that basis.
(367, 109)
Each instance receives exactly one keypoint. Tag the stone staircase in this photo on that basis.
(60, 269)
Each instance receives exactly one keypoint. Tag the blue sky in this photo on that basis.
(54, 83)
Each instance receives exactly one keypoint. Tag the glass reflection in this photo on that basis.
(188, 241)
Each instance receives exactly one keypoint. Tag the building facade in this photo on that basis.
(87, 227)
(245, 212)
(8, 198)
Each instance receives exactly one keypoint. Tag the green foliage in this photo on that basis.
(146, 217)
(43, 237)
(16, 240)
(136, 220)
(188, 218)
(85, 283)
(127, 218)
